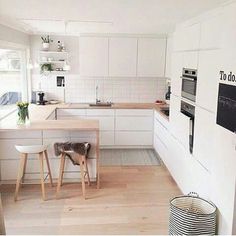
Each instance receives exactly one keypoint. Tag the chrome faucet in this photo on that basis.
(97, 100)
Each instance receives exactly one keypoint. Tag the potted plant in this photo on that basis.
(23, 112)
(46, 67)
(46, 42)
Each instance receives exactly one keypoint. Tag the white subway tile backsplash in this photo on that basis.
(82, 90)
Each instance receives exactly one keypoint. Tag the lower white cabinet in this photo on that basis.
(118, 127)
(133, 138)
(134, 127)
(107, 138)
(134, 123)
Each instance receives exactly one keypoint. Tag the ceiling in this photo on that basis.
(74, 17)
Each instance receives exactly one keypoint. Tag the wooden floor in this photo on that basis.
(132, 200)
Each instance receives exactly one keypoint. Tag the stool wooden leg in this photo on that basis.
(20, 174)
(86, 168)
(42, 174)
(62, 165)
(49, 170)
(25, 162)
(82, 175)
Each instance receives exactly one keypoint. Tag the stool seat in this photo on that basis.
(31, 149)
(24, 150)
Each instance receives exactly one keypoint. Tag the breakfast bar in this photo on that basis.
(41, 129)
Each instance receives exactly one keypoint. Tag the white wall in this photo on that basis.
(82, 89)
(14, 36)
(207, 43)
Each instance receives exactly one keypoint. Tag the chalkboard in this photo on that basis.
(226, 112)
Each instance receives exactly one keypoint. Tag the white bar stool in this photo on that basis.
(41, 150)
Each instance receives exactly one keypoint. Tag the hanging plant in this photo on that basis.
(46, 67)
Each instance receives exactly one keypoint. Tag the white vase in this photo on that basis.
(45, 46)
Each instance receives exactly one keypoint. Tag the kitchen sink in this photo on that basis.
(101, 104)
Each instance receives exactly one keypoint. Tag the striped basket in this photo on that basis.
(192, 215)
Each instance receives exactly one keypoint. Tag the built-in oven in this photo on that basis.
(189, 84)
(189, 110)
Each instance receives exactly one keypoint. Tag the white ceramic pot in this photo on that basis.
(45, 46)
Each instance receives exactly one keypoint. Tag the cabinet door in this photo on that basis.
(190, 60)
(136, 138)
(208, 77)
(187, 38)
(151, 57)
(134, 123)
(210, 35)
(203, 140)
(93, 56)
(122, 56)
(169, 50)
(176, 72)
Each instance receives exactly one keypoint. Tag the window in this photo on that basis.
(13, 81)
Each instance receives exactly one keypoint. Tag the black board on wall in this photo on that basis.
(226, 111)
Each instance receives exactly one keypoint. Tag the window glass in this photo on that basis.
(12, 79)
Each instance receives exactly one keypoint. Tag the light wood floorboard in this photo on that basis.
(132, 200)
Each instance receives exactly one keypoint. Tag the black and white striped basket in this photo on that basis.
(192, 215)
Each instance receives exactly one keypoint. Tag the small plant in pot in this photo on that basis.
(46, 67)
(46, 42)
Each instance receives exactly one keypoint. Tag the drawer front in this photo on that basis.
(133, 138)
(134, 112)
(100, 112)
(70, 117)
(71, 112)
(107, 138)
(134, 123)
(161, 119)
(105, 123)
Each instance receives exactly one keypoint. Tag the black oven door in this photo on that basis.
(189, 87)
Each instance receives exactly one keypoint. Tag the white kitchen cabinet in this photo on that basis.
(134, 112)
(169, 50)
(105, 122)
(134, 127)
(208, 79)
(203, 137)
(93, 56)
(133, 138)
(179, 123)
(71, 112)
(211, 38)
(176, 72)
(100, 112)
(122, 57)
(107, 138)
(190, 60)
(134, 123)
(187, 37)
(151, 57)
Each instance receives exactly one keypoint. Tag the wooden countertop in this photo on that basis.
(39, 114)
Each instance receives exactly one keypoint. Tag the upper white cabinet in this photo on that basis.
(176, 72)
(122, 57)
(190, 60)
(93, 55)
(210, 32)
(208, 77)
(169, 49)
(151, 57)
(187, 38)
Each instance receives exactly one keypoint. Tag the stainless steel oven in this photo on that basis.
(189, 110)
(189, 84)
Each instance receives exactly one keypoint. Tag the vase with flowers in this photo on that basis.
(23, 112)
